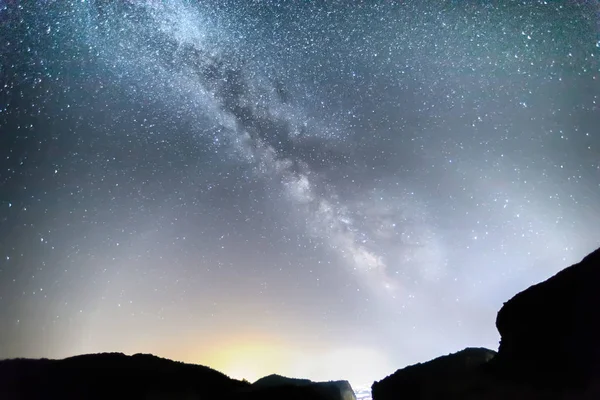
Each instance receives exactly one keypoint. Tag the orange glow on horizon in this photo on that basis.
(250, 357)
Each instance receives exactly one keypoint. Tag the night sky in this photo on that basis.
(308, 188)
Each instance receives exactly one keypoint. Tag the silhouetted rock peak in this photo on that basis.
(275, 380)
(332, 390)
(550, 332)
(549, 349)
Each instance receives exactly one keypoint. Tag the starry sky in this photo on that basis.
(302, 187)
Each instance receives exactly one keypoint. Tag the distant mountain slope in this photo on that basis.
(446, 374)
(333, 390)
(111, 375)
(278, 380)
(144, 376)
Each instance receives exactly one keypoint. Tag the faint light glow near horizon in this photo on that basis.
(305, 188)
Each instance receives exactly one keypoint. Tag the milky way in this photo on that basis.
(320, 190)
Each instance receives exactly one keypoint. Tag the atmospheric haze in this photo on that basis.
(305, 188)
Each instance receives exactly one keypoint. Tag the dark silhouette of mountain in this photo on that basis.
(144, 376)
(333, 390)
(111, 375)
(549, 349)
(278, 380)
(415, 381)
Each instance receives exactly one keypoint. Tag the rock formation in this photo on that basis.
(551, 331)
(549, 349)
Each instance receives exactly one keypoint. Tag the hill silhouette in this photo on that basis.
(278, 380)
(415, 381)
(145, 376)
(340, 390)
(549, 348)
(111, 375)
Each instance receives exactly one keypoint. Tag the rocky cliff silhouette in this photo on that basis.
(549, 348)
(550, 332)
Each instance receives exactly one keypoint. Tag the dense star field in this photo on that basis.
(308, 188)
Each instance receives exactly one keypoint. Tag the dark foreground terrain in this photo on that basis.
(144, 376)
(549, 348)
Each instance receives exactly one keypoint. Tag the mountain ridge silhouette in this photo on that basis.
(549, 348)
